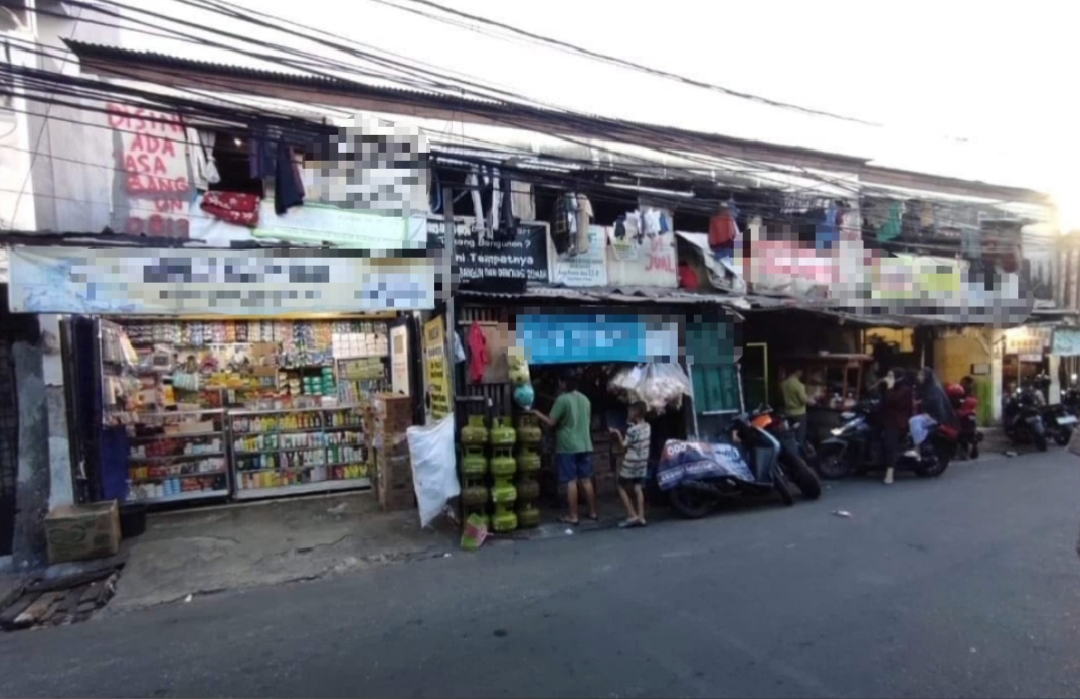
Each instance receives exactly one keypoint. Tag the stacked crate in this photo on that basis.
(393, 479)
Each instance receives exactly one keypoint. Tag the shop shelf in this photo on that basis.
(180, 497)
(320, 487)
(175, 457)
(177, 475)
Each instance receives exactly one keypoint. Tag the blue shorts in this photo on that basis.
(574, 467)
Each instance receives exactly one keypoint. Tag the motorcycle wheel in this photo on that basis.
(784, 489)
(833, 466)
(802, 476)
(942, 452)
(689, 503)
(1062, 436)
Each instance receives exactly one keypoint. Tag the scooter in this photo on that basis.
(1022, 419)
(699, 476)
(792, 459)
(1058, 423)
(856, 447)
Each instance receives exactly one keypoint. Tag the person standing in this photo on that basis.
(571, 418)
(896, 408)
(635, 466)
(795, 402)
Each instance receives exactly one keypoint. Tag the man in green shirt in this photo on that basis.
(795, 402)
(571, 417)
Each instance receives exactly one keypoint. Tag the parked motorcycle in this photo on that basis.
(966, 408)
(856, 447)
(792, 454)
(1058, 423)
(1022, 418)
(699, 476)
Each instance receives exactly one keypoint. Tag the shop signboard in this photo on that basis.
(585, 269)
(480, 258)
(642, 260)
(583, 338)
(1027, 339)
(436, 382)
(399, 360)
(163, 281)
(1066, 342)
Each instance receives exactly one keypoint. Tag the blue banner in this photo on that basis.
(563, 339)
(694, 461)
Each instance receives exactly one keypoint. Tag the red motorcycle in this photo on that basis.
(966, 407)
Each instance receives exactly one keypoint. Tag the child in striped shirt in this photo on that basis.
(635, 466)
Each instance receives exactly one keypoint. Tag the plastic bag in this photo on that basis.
(626, 381)
(659, 386)
(519, 368)
(434, 467)
(475, 532)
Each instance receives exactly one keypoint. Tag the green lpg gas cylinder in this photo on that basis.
(475, 432)
(504, 521)
(528, 459)
(528, 429)
(502, 434)
(527, 489)
(474, 496)
(503, 463)
(474, 463)
(528, 516)
(503, 492)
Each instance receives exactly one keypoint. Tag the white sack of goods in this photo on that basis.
(434, 467)
(659, 386)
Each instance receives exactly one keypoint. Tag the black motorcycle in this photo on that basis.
(1058, 423)
(1022, 419)
(700, 476)
(793, 456)
(856, 447)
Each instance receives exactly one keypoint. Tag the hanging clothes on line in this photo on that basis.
(584, 216)
(271, 156)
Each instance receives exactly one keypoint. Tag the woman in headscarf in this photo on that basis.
(932, 405)
(896, 408)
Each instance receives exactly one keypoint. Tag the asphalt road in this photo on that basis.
(964, 586)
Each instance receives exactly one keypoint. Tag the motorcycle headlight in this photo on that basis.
(837, 431)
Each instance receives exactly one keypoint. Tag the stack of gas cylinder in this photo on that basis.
(528, 465)
(503, 467)
(474, 467)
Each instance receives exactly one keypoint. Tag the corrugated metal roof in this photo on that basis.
(611, 294)
(512, 112)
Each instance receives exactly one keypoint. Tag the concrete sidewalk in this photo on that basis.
(197, 552)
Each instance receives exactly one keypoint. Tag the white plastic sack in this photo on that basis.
(434, 467)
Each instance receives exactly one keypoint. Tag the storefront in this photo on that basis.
(200, 378)
(598, 336)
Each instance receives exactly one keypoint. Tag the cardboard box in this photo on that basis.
(83, 532)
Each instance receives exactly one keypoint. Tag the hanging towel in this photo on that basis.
(478, 353)
(584, 219)
(202, 155)
(232, 207)
(521, 197)
(722, 229)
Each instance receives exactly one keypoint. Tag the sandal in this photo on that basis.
(628, 523)
(565, 519)
(594, 518)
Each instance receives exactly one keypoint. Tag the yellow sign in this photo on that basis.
(435, 378)
(910, 278)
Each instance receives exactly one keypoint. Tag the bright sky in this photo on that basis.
(933, 72)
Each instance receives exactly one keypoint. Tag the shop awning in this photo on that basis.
(627, 295)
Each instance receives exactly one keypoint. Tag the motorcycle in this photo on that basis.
(966, 408)
(1022, 419)
(793, 459)
(856, 447)
(1058, 423)
(700, 476)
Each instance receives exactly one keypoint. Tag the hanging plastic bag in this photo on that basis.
(519, 368)
(663, 386)
(434, 467)
(475, 532)
(626, 381)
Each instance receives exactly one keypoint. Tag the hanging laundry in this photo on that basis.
(509, 216)
(232, 207)
(560, 228)
(632, 223)
(288, 185)
(522, 204)
(893, 225)
(665, 224)
(651, 220)
(270, 155)
(203, 166)
(722, 229)
(827, 232)
(479, 359)
(459, 348)
(688, 278)
(496, 202)
(971, 243)
(584, 219)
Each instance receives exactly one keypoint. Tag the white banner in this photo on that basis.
(163, 281)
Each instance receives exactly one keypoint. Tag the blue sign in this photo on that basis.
(562, 339)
